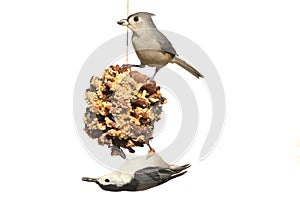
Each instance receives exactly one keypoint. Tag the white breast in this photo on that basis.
(138, 163)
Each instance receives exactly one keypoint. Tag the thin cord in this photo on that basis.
(127, 34)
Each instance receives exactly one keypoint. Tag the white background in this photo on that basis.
(255, 46)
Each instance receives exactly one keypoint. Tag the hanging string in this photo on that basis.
(127, 34)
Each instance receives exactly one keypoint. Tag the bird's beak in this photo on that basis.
(87, 179)
(123, 22)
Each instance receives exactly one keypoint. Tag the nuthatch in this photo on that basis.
(151, 46)
(138, 174)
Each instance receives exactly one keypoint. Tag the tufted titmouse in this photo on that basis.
(139, 174)
(151, 46)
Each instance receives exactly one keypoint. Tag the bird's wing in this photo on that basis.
(150, 177)
(159, 175)
(164, 43)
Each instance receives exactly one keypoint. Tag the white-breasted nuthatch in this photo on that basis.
(139, 174)
(151, 46)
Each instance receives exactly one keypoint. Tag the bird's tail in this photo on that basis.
(186, 66)
(175, 171)
(178, 169)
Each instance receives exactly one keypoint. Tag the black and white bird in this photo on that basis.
(139, 174)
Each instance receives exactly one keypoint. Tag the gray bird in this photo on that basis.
(139, 174)
(151, 46)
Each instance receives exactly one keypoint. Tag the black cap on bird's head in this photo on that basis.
(140, 20)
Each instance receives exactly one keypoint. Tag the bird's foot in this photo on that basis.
(150, 78)
(151, 152)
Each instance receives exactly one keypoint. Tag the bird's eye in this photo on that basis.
(136, 19)
(106, 180)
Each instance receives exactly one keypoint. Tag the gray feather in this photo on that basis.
(154, 176)
(164, 43)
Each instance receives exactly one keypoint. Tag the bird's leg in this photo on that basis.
(132, 65)
(152, 77)
(115, 151)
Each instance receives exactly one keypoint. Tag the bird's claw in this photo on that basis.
(151, 151)
(150, 78)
